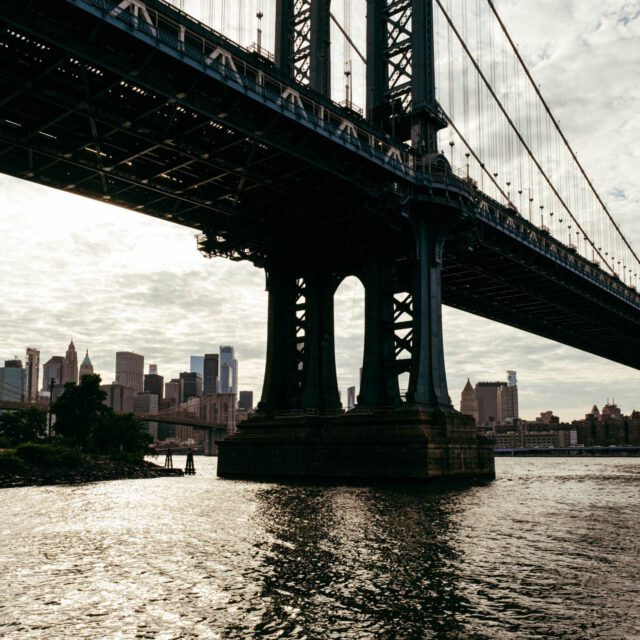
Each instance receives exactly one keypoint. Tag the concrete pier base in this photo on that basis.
(402, 445)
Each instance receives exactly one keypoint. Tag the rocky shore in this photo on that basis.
(91, 470)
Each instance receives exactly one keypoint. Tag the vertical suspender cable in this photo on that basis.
(465, 71)
(479, 93)
(564, 139)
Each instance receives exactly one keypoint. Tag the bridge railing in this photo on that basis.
(514, 224)
(255, 75)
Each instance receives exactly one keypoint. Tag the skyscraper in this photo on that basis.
(70, 365)
(191, 385)
(508, 400)
(196, 365)
(31, 375)
(52, 370)
(12, 381)
(119, 397)
(468, 404)
(153, 383)
(351, 397)
(491, 403)
(487, 403)
(130, 370)
(210, 377)
(246, 400)
(173, 392)
(228, 370)
(86, 367)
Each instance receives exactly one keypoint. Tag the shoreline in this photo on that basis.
(92, 470)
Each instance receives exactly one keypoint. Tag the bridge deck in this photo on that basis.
(215, 138)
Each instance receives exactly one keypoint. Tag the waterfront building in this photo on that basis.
(130, 370)
(188, 436)
(547, 417)
(70, 365)
(491, 403)
(86, 366)
(594, 414)
(611, 412)
(245, 401)
(487, 403)
(145, 403)
(154, 383)
(547, 439)
(31, 375)
(119, 397)
(228, 370)
(210, 371)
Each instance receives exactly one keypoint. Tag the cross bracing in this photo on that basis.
(160, 114)
(503, 131)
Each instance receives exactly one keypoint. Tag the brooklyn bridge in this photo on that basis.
(453, 183)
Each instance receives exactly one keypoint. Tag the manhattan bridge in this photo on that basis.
(404, 142)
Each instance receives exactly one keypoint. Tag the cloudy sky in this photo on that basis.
(115, 280)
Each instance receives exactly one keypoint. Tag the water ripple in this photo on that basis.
(548, 551)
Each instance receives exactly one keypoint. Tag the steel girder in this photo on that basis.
(303, 42)
(93, 110)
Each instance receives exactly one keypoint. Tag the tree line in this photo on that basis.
(82, 420)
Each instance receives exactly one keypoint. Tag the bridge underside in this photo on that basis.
(91, 110)
(500, 278)
(100, 110)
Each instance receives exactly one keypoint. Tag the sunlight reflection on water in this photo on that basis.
(543, 552)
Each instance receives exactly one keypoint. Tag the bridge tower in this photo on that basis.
(300, 430)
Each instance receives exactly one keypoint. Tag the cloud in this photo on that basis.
(111, 279)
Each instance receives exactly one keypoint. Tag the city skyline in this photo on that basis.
(457, 399)
(111, 279)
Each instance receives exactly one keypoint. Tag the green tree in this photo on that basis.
(23, 425)
(80, 410)
(120, 434)
(84, 419)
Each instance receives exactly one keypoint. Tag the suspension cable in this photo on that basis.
(347, 37)
(515, 129)
(476, 157)
(557, 126)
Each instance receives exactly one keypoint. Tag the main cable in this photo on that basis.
(557, 126)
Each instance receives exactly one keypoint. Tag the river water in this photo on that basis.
(551, 549)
